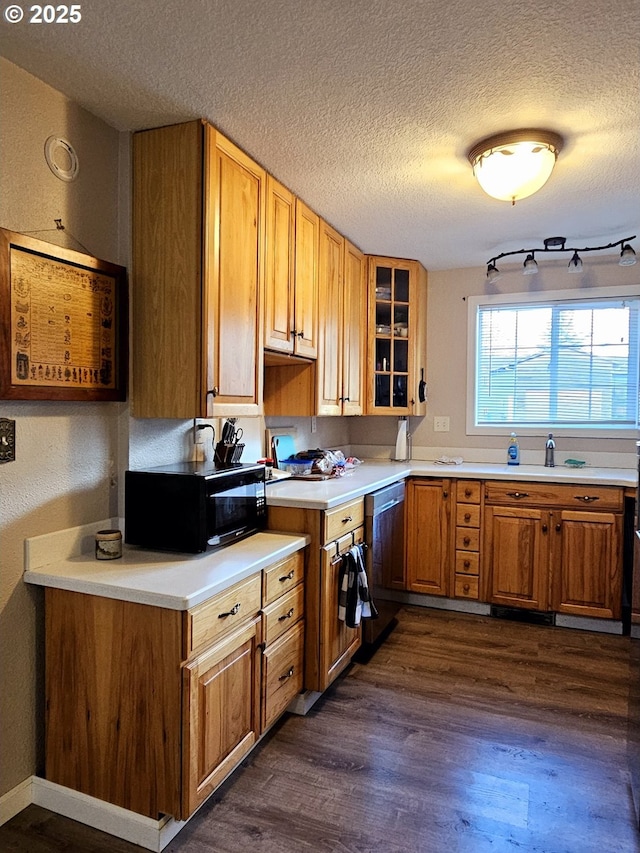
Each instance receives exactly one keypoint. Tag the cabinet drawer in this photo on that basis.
(538, 494)
(468, 515)
(282, 673)
(282, 577)
(342, 519)
(223, 612)
(468, 491)
(466, 586)
(467, 562)
(467, 539)
(282, 614)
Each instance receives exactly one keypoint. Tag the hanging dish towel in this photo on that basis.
(354, 602)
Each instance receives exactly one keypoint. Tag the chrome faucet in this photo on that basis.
(549, 448)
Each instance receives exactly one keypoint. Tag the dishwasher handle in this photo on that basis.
(389, 504)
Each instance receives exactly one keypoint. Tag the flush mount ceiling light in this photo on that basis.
(558, 244)
(513, 165)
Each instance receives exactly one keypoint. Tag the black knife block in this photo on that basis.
(227, 454)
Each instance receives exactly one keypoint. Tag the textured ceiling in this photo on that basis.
(366, 109)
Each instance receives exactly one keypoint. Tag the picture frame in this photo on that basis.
(63, 323)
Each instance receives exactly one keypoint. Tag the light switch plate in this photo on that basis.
(7, 440)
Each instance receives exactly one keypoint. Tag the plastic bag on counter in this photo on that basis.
(329, 463)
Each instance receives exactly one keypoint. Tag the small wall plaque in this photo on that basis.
(7, 440)
(64, 323)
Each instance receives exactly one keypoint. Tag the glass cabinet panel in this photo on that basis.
(391, 337)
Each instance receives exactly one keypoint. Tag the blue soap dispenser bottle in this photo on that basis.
(513, 450)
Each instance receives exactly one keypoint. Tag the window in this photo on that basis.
(552, 361)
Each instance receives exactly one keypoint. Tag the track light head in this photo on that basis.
(530, 266)
(575, 264)
(493, 273)
(627, 256)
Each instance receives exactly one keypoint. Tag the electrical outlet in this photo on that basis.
(441, 424)
(314, 424)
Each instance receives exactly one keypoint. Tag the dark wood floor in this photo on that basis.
(463, 734)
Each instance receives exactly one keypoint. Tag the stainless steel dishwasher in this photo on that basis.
(384, 534)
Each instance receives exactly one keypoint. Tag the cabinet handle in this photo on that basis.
(287, 577)
(587, 499)
(286, 675)
(300, 334)
(445, 494)
(214, 391)
(467, 516)
(558, 527)
(544, 528)
(347, 519)
(293, 333)
(518, 495)
(466, 588)
(466, 540)
(231, 612)
(285, 616)
(347, 399)
(466, 564)
(467, 493)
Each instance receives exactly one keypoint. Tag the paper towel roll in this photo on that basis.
(402, 452)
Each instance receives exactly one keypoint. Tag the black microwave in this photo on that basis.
(193, 506)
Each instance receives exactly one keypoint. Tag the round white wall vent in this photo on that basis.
(61, 158)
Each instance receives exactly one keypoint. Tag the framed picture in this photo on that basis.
(64, 323)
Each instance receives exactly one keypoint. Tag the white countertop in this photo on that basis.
(325, 494)
(174, 581)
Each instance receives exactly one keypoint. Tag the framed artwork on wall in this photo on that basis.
(64, 323)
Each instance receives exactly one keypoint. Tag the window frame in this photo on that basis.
(510, 299)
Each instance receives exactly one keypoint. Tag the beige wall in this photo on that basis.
(447, 366)
(65, 452)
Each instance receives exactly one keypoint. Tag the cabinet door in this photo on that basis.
(397, 336)
(428, 536)
(279, 270)
(233, 254)
(338, 643)
(330, 321)
(587, 563)
(221, 712)
(516, 551)
(306, 281)
(354, 331)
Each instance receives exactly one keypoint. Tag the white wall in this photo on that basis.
(66, 453)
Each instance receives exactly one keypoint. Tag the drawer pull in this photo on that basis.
(518, 495)
(287, 577)
(466, 540)
(347, 519)
(285, 616)
(466, 588)
(587, 499)
(286, 675)
(467, 493)
(467, 516)
(466, 564)
(231, 612)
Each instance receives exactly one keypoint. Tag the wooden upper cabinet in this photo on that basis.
(198, 269)
(354, 330)
(396, 361)
(306, 281)
(279, 298)
(330, 327)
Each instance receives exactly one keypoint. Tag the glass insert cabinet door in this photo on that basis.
(393, 317)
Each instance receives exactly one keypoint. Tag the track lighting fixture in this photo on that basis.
(558, 244)
(515, 164)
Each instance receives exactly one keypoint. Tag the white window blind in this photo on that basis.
(555, 363)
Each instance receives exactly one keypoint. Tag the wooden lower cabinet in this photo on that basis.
(329, 644)
(587, 564)
(540, 554)
(516, 548)
(338, 643)
(428, 535)
(221, 712)
(149, 708)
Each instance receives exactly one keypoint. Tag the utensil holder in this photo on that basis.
(228, 454)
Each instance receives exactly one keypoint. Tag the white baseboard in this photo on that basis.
(151, 834)
(15, 800)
